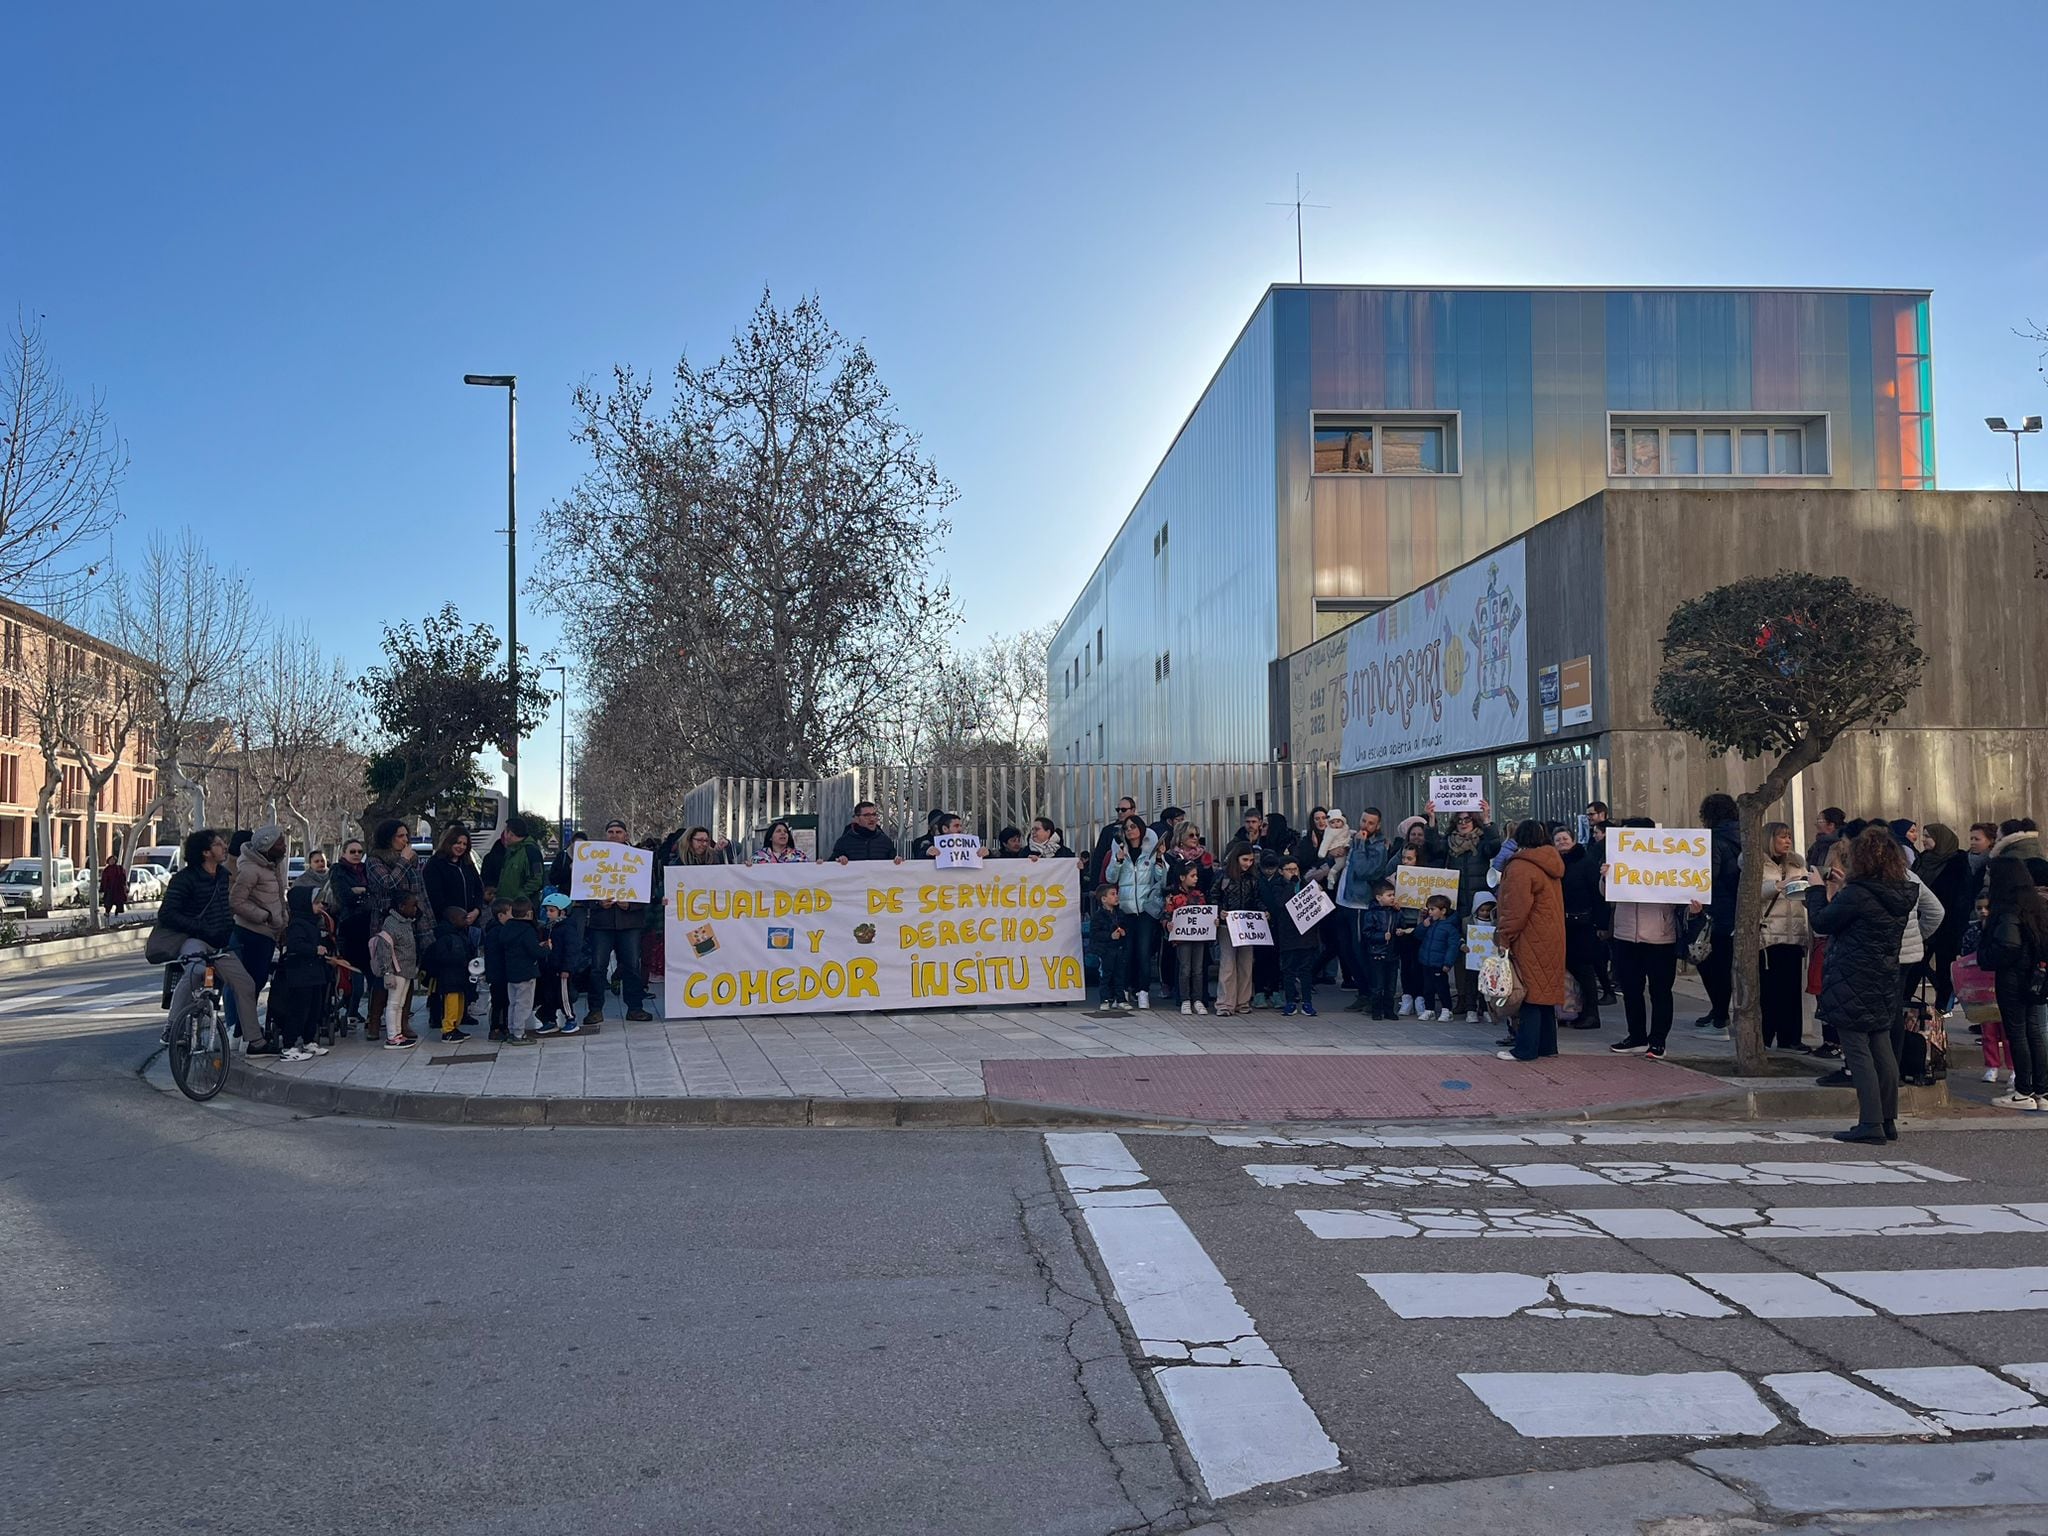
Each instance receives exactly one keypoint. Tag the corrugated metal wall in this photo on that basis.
(1205, 599)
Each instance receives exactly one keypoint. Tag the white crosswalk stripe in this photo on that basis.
(1762, 1293)
(1567, 1175)
(1696, 1222)
(1425, 1140)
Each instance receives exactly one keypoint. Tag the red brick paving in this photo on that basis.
(1389, 1087)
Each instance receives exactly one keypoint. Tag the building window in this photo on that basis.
(1705, 444)
(1386, 443)
(10, 712)
(10, 779)
(1100, 739)
(12, 653)
(1098, 645)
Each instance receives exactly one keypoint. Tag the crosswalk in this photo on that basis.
(1832, 1350)
(34, 1008)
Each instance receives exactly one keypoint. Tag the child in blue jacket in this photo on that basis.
(1440, 948)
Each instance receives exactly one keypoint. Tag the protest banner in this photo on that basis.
(1456, 791)
(1249, 928)
(611, 872)
(816, 938)
(1414, 884)
(1670, 864)
(1309, 906)
(1193, 925)
(956, 850)
(1479, 944)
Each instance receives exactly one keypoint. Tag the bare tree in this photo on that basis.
(111, 707)
(755, 551)
(300, 707)
(55, 694)
(61, 464)
(196, 626)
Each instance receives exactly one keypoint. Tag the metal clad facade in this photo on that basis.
(1531, 376)
(1188, 624)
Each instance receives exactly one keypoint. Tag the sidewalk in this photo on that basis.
(1024, 1065)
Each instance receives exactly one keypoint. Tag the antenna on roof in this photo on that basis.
(1297, 205)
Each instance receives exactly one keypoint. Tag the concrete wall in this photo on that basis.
(1971, 744)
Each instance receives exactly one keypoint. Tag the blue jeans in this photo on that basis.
(625, 943)
(1535, 1031)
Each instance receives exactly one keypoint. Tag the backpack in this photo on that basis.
(2037, 983)
(1998, 947)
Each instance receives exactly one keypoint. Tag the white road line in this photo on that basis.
(1627, 1175)
(1962, 1396)
(1607, 1294)
(1577, 1405)
(1833, 1405)
(1751, 1224)
(1427, 1140)
(1243, 1418)
(1945, 1292)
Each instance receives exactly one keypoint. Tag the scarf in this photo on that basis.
(1049, 849)
(1945, 848)
(1464, 844)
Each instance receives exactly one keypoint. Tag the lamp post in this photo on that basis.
(562, 764)
(509, 382)
(2030, 424)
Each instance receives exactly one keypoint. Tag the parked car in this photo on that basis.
(146, 883)
(21, 886)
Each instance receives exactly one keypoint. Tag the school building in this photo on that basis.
(1535, 477)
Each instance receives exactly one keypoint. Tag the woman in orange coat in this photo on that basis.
(1531, 928)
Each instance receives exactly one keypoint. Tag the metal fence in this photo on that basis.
(1078, 798)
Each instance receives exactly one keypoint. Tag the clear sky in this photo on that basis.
(277, 236)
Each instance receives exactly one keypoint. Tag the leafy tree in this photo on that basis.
(440, 697)
(750, 556)
(1780, 665)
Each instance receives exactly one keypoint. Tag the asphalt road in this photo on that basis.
(224, 1318)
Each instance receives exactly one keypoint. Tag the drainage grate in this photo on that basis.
(461, 1060)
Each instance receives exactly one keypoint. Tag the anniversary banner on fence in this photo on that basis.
(843, 938)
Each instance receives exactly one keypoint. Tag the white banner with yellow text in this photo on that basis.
(841, 938)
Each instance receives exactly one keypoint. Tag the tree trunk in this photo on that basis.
(91, 861)
(1747, 1023)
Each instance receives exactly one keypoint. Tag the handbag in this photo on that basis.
(163, 944)
(1701, 944)
(1500, 983)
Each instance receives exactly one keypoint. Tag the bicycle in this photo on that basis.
(197, 1034)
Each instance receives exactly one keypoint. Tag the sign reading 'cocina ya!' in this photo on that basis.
(814, 938)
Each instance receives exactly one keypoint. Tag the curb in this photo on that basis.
(21, 959)
(1745, 1100)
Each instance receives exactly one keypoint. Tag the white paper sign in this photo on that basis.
(1414, 885)
(1249, 928)
(1193, 925)
(1309, 906)
(1662, 864)
(956, 850)
(611, 872)
(1456, 791)
(1478, 944)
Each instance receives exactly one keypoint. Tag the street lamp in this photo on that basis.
(2031, 424)
(509, 382)
(562, 766)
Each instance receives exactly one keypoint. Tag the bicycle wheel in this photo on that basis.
(199, 1051)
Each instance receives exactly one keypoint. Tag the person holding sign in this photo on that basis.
(1644, 937)
(611, 929)
(1190, 955)
(1236, 890)
(1296, 950)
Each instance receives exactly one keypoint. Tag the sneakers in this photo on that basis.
(1201, 1007)
(319, 1048)
(294, 1053)
(402, 1043)
(1991, 1074)
(2017, 1101)
(1472, 1016)
(1708, 1021)
(1407, 1008)
(1630, 1047)
(1507, 1056)
(1144, 998)
(1287, 1012)
(1308, 1010)
(452, 1036)
(1836, 1079)
(519, 1040)
(1444, 1016)
(639, 1016)
(573, 1028)
(1187, 1007)
(1654, 1052)
(1826, 1051)
(593, 1018)
(547, 1028)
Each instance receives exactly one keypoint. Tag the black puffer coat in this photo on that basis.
(1859, 986)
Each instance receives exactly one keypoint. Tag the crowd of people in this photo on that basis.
(1873, 919)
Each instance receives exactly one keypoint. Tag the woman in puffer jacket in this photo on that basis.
(1863, 912)
(1137, 866)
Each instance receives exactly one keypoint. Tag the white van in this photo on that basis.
(21, 885)
(170, 859)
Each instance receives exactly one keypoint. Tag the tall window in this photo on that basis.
(1386, 443)
(10, 712)
(10, 779)
(1705, 444)
(10, 655)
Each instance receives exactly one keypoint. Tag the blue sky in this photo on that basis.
(277, 236)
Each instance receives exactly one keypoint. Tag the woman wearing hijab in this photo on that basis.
(1945, 870)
